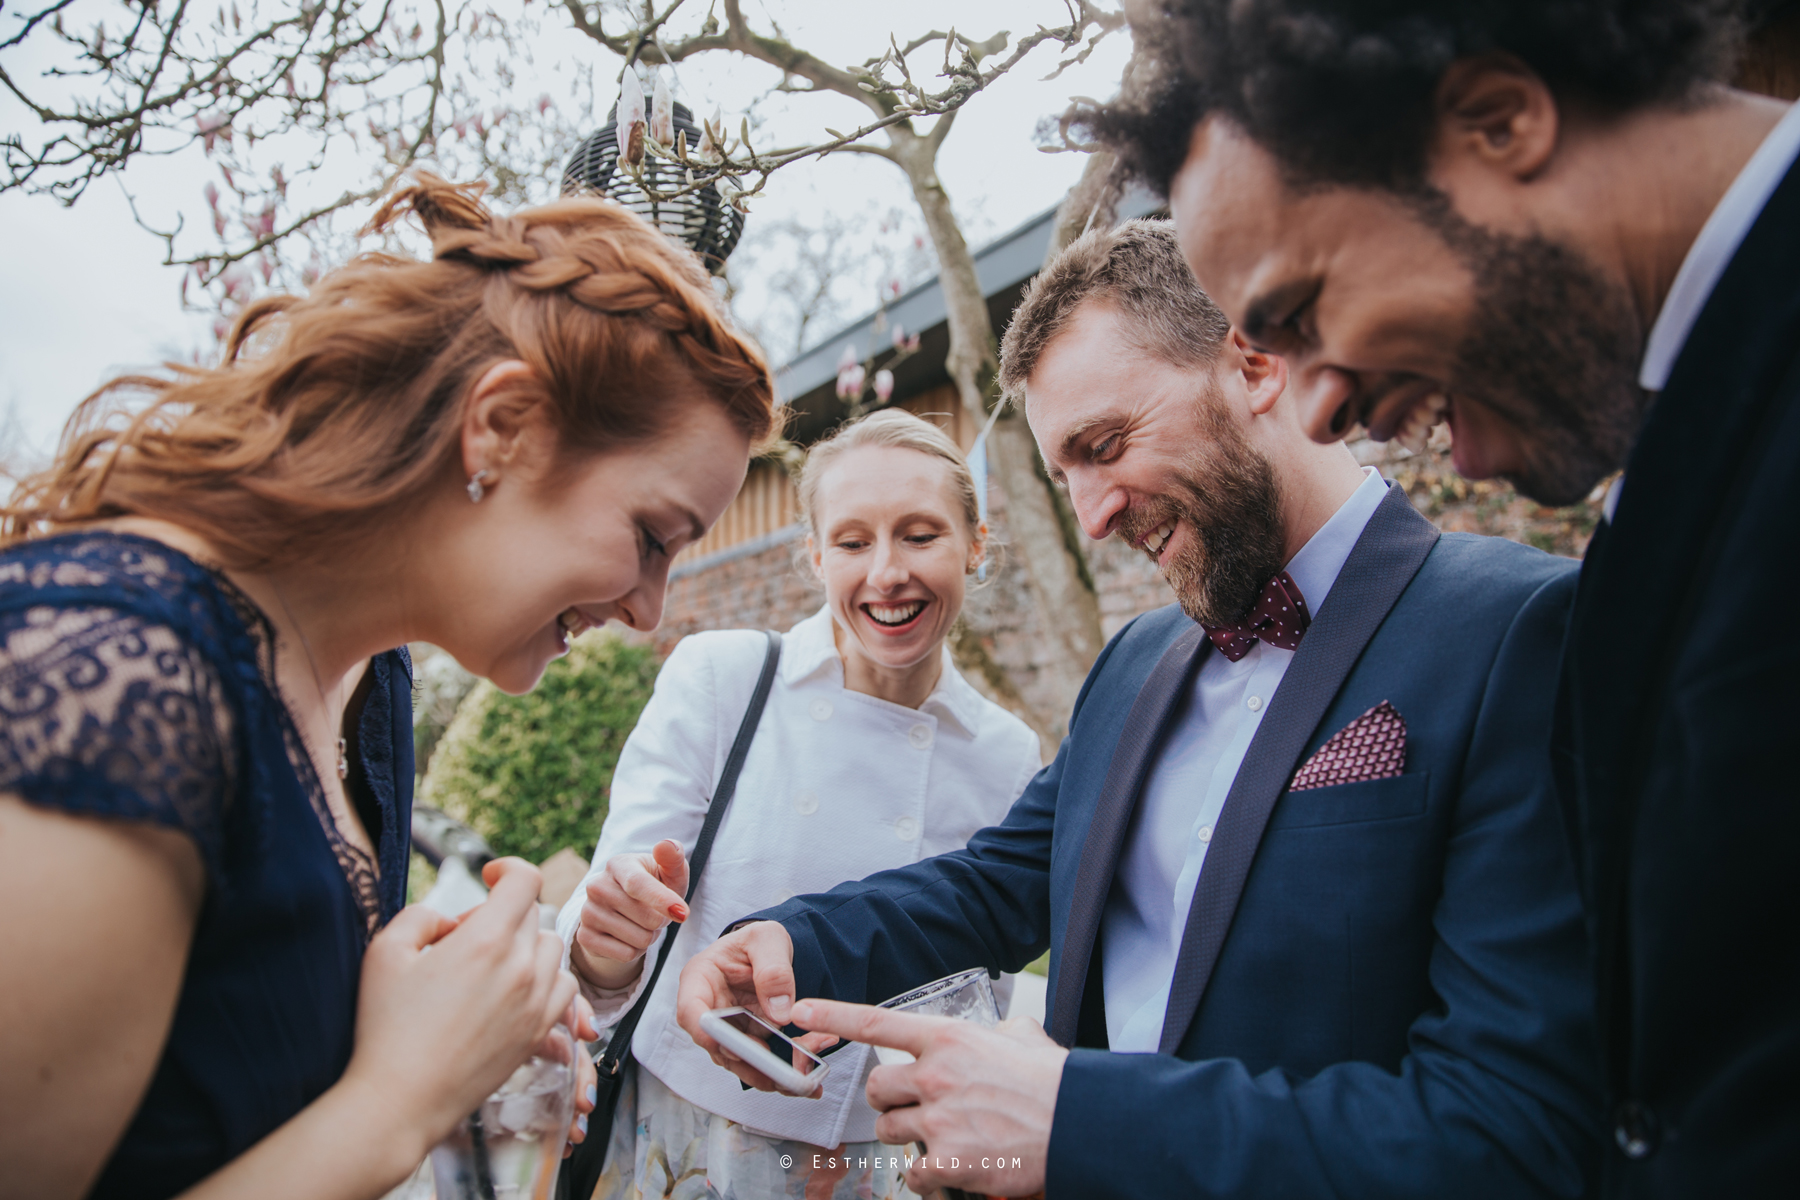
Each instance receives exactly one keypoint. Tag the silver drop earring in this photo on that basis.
(476, 488)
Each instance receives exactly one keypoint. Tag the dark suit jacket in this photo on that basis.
(1383, 987)
(1676, 735)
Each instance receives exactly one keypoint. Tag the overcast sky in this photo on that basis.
(83, 294)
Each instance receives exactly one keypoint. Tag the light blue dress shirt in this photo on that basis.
(1165, 848)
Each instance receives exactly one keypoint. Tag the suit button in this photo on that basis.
(1635, 1130)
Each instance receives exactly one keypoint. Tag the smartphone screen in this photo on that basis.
(778, 1043)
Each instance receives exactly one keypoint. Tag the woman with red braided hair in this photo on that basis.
(205, 736)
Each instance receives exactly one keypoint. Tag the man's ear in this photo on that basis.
(1264, 375)
(1494, 113)
(503, 404)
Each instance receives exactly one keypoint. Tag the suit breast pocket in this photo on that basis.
(1350, 803)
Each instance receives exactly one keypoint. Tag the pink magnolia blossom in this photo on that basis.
(213, 126)
(894, 287)
(708, 149)
(632, 125)
(662, 113)
(884, 385)
(850, 381)
(236, 283)
(211, 192)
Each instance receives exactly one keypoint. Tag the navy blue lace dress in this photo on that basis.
(136, 685)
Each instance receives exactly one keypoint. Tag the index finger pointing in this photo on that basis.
(646, 889)
(868, 1023)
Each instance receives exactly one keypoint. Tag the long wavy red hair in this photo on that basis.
(332, 412)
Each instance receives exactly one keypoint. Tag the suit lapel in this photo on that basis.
(1386, 557)
(1156, 700)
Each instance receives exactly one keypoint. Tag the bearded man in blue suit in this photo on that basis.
(1312, 920)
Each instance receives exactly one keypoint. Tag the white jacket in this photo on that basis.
(837, 785)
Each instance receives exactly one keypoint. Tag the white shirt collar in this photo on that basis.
(1315, 568)
(811, 647)
(1718, 242)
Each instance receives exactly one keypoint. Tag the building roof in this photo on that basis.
(807, 383)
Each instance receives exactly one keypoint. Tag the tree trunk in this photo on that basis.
(1040, 541)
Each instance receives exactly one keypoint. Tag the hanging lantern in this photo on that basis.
(701, 220)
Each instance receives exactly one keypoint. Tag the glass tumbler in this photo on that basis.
(965, 996)
(511, 1147)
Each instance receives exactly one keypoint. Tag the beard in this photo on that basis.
(1230, 502)
(1552, 349)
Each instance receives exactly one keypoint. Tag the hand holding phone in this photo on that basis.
(755, 1041)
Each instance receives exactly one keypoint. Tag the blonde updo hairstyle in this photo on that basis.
(901, 430)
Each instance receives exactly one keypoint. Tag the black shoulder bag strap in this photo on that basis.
(581, 1172)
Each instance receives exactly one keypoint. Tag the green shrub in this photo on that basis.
(531, 773)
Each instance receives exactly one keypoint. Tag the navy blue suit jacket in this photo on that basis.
(1679, 719)
(1384, 988)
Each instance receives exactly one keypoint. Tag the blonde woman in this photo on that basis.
(873, 752)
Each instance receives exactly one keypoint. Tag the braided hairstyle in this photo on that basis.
(333, 412)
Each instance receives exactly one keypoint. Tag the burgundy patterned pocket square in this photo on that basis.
(1371, 747)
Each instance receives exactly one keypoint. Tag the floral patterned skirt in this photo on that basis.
(661, 1147)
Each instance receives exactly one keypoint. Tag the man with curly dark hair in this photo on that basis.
(1550, 226)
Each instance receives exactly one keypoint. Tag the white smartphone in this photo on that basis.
(756, 1041)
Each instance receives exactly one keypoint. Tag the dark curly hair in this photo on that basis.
(1341, 91)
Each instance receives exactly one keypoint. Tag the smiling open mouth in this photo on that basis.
(893, 616)
(1156, 539)
(571, 623)
(1412, 424)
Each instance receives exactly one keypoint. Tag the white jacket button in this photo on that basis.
(806, 803)
(821, 710)
(906, 829)
(919, 736)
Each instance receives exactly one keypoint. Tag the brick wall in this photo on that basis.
(757, 584)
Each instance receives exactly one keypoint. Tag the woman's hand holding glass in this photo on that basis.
(448, 1009)
(628, 904)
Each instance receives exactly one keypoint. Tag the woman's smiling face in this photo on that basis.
(892, 545)
(555, 549)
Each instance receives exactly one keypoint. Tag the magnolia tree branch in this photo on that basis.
(300, 110)
(885, 85)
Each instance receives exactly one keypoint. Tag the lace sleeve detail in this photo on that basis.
(105, 713)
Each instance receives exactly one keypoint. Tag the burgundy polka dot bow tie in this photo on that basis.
(1279, 618)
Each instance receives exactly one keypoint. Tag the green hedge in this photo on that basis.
(532, 773)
